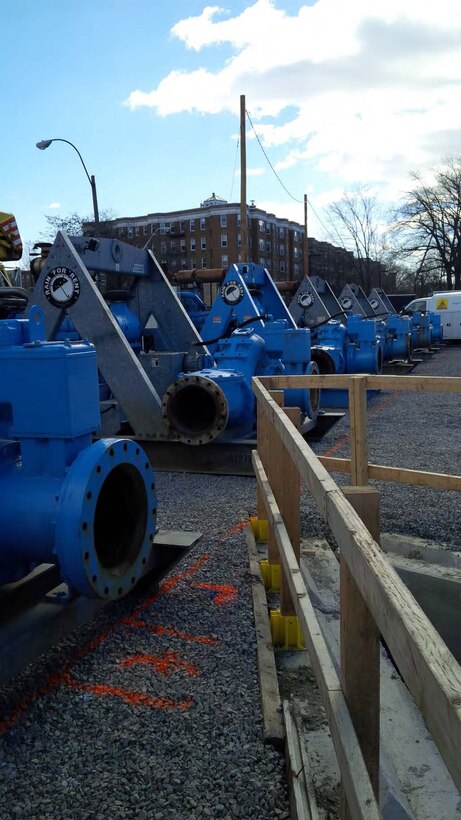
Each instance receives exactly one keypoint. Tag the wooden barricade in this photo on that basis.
(374, 601)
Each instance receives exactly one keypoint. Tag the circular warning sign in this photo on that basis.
(232, 292)
(61, 287)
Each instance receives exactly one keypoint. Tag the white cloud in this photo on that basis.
(374, 87)
(54, 205)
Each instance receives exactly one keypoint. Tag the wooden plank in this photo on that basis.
(273, 729)
(276, 479)
(420, 478)
(414, 383)
(262, 422)
(290, 509)
(300, 783)
(312, 473)
(336, 465)
(360, 645)
(353, 770)
(358, 430)
(294, 414)
(429, 669)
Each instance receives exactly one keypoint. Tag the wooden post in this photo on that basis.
(360, 647)
(263, 451)
(290, 510)
(305, 241)
(275, 475)
(358, 427)
(243, 181)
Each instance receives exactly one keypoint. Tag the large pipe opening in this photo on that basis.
(120, 519)
(195, 409)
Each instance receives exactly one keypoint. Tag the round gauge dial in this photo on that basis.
(374, 303)
(346, 302)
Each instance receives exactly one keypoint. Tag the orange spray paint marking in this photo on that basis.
(225, 594)
(164, 664)
(59, 677)
(157, 629)
(133, 698)
(234, 530)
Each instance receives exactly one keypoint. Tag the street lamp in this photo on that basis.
(43, 144)
(153, 235)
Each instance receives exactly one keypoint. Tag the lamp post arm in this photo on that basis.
(58, 139)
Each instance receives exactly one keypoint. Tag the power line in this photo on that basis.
(327, 231)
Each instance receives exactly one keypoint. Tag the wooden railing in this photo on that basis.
(374, 601)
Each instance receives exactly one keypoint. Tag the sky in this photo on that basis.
(340, 93)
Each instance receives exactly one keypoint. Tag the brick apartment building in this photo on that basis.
(209, 237)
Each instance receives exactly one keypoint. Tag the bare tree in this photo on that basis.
(428, 228)
(356, 220)
(73, 224)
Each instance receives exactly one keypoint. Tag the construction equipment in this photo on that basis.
(157, 373)
(89, 507)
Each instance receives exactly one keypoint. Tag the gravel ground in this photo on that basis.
(153, 710)
(415, 431)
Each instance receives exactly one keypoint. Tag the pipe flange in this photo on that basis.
(195, 409)
(106, 519)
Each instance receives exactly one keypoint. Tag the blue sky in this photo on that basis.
(340, 94)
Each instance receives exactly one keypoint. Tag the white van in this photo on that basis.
(447, 304)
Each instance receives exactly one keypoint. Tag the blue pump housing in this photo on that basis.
(90, 507)
(249, 332)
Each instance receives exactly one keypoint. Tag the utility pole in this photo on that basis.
(305, 242)
(243, 181)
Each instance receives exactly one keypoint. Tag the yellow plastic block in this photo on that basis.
(271, 575)
(285, 630)
(260, 528)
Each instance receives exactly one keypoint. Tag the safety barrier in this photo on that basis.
(374, 601)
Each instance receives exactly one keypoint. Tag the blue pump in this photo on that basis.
(249, 332)
(90, 507)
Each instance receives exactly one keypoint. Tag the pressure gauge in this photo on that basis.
(374, 303)
(305, 299)
(346, 302)
(61, 287)
(232, 292)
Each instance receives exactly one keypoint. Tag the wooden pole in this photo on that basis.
(305, 241)
(360, 647)
(358, 427)
(243, 181)
(290, 510)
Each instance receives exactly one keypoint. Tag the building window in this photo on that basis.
(295, 236)
(224, 240)
(152, 227)
(262, 244)
(268, 247)
(282, 266)
(172, 227)
(162, 227)
(162, 247)
(192, 225)
(202, 224)
(268, 227)
(296, 269)
(144, 230)
(130, 233)
(281, 232)
(282, 250)
(184, 262)
(137, 231)
(204, 262)
(193, 263)
(262, 261)
(181, 227)
(239, 222)
(239, 239)
(121, 231)
(296, 252)
(182, 246)
(192, 244)
(261, 225)
(223, 220)
(203, 244)
(173, 246)
(224, 261)
(239, 257)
